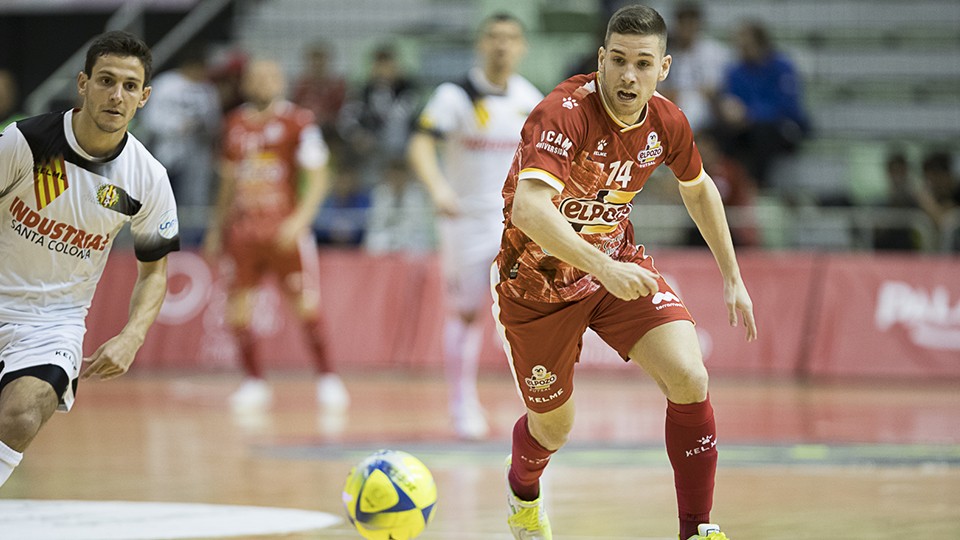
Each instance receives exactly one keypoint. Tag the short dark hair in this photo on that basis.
(757, 30)
(637, 20)
(120, 43)
(499, 17)
(690, 10)
(937, 161)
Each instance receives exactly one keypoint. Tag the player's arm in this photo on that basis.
(311, 162)
(114, 357)
(702, 200)
(316, 185)
(212, 241)
(535, 214)
(422, 155)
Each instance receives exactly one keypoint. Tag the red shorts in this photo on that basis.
(543, 340)
(297, 270)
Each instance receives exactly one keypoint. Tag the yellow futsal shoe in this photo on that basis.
(527, 519)
(708, 531)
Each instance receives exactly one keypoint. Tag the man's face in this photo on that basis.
(263, 82)
(114, 91)
(501, 46)
(630, 66)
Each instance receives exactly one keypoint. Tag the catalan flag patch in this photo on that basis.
(49, 180)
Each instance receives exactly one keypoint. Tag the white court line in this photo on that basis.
(123, 520)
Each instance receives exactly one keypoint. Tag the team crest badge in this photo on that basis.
(114, 198)
(108, 195)
(49, 180)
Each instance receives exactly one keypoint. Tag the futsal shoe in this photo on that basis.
(470, 423)
(331, 393)
(708, 531)
(253, 395)
(527, 519)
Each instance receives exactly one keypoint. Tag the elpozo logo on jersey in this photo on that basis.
(648, 156)
(169, 226)
(600, 214)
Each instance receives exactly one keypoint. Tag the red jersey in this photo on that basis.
(597, 164)
(267, 154)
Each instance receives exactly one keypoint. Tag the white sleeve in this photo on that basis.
(16, 159)
(155, 228)
(312, 151)
(441, 114)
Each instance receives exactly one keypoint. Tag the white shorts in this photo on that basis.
(467, 247)
(31, 349)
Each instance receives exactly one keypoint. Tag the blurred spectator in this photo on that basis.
(181, 126)
(9, 99)
(939, 196)
(376, 122)
(699, 64)
(321, 91)
(760, 110)
(737, 190)
(401, 215)
(226, 72)
(902, 193)
(342, 220)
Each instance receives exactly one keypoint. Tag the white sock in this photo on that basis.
(472, 339)
(453, 334)
(9, 459)
(461, 354)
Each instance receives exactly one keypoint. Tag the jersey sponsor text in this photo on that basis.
(57, 236)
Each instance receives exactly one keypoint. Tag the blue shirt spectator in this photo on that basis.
(761, 113)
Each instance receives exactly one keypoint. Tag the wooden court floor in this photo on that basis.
(841, 460)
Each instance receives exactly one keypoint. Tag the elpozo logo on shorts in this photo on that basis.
(540, 380)
(169, 226)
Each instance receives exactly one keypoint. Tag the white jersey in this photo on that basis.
(480, 127)
(60, 210)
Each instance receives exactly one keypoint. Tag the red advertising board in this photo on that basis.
(822, 315)
(889, 316)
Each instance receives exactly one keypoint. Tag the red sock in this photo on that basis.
(529, 461)
(246, 344)
(691, 437)
(317, 339)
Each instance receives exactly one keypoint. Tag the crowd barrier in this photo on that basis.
(818, 315)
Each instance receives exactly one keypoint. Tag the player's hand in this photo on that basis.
(739, 302)
(112, 359)
(289, 233)
(628, 281)
(445, 201)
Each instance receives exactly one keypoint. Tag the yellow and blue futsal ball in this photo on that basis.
(390, 495)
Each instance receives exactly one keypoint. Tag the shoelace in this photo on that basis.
(528, 518)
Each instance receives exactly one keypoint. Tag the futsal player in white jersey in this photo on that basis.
(68, 182)
(465, 140)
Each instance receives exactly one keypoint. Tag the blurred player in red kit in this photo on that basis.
(262, 223)
(568, 262)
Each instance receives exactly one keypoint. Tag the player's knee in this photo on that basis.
(551, 431)
(239, 312)
(689, 385)
(19, 424)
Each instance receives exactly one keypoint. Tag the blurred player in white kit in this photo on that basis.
(465, 140)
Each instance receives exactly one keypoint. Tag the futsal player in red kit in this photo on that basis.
(568, 262)
(262, 223)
